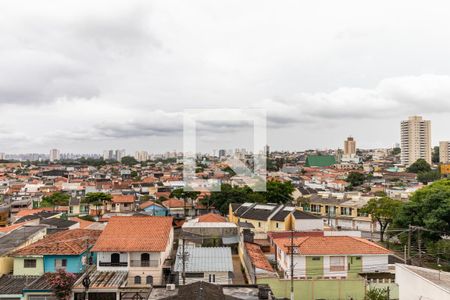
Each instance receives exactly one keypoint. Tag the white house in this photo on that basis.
(330, 257)
(212, 264)
(137, 244)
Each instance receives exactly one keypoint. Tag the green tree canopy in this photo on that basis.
(182, 194)
(396, 151)
(55, 199)
(383, 211)
(427, 177)
(97, 198)
(277, 192)
(129, 161)
(428, 207)
(435, 155)
(355, 178)
(419, 166)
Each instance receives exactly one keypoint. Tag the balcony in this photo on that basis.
(144, 263)
(112, 264)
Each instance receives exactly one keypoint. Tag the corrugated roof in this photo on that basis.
(214, 259)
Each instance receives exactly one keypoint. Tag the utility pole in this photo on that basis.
(419, 245)
(409, 243)
(292, 265)
(183, 257)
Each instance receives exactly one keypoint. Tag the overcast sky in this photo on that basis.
(84, 76)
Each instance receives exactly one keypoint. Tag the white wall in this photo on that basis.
(414, 287)
(106, 257)
(372, 263)
(329, 273)
(308, 224)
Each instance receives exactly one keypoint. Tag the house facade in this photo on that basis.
(330, 257)
(210, 264)
(139, 245)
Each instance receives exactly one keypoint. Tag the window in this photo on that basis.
(29, 263)
(115, 258)
(137, 279)
(212, 277)
(195, 275)
(316, 258)
(60, 263)
(337, 263)
(277, 224)
(259, 224)
(149, 280)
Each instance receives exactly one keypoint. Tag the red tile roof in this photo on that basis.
(259, 260)
(83, 223)
(27, 212)
(123, 199)
(137, 233)
(331, 245)
(174, 203)
(68, 242)
(211, 218)
(148, 203)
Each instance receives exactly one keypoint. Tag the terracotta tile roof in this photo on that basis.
(259, 260)
(27, 212)
(148, 203)
(174, 203)
(83, 223)
(211, 218)
(68, 242)
(331, 245)
(123, 199)
(137, 233)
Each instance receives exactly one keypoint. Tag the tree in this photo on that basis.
(55, 199)
(61, 283)
(428, 207)
(97, 199)
(435, 155)
(278, 192)
(419, 166)
(383, 211)
(129, 161)
(182, 194)
(396, 151)
(355, 178)
(427, 177)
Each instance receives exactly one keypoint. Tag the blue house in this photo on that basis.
(68, 250)
(154, 209)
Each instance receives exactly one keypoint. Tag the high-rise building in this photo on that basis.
(54, 155)
(119, 154)
(415, 140)
(350, 146)
(141, 155)
(2, 156)
(444, 152)
(222, 153)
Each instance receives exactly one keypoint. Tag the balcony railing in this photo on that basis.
(144, 263)
(113, 264)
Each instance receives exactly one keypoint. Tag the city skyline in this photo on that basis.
(122, 77)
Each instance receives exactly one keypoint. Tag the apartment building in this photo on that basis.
(415, 140)
(444, 152)
(350, 146)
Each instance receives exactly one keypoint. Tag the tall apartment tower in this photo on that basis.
(350, 146)
(54, 155)
(415, 140)
(444, 152)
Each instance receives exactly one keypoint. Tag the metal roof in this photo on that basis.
(211, 259)
(18, 237)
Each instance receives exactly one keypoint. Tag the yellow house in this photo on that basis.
(263, 217)
(16, 239)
